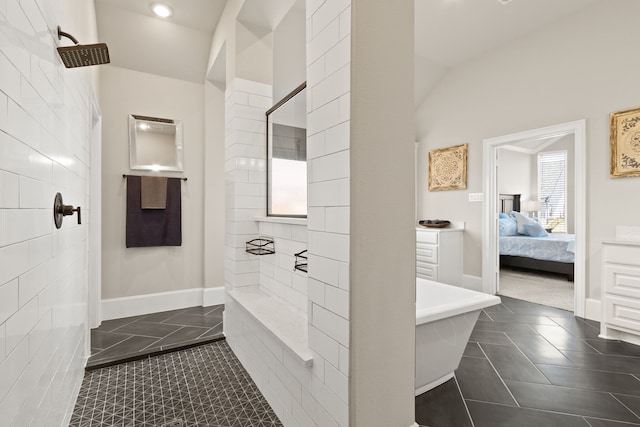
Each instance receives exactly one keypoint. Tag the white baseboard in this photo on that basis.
(472, 282)
(593, 309)
(212, 296)
(117, 308)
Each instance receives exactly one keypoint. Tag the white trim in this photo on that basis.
(282, 220)
(593, 309)
(95, 220)
(212, 296)
(117, 308)
(472, 282)
(490, 257)
(614, 334)
(71, 403)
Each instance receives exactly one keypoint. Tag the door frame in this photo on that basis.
(491, 259)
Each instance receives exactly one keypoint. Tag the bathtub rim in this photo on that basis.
(473, 300)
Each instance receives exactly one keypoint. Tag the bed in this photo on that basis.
(553, 253)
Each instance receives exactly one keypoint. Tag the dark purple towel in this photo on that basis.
(154, 227)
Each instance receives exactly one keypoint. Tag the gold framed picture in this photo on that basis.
(448, 168)
(625, 143)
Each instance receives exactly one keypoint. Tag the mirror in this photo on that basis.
(287, 155)
(155, 144)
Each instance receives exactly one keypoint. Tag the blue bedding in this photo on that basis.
(554, 247)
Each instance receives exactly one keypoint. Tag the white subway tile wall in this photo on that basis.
(315, 396)
(245, 153)
(277, 275)
(45, 123)
(329, 83)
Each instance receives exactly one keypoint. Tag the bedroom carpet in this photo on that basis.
(546, 289)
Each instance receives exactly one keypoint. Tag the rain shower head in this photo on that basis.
(82, 55)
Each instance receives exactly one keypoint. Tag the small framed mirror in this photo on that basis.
(155, 144)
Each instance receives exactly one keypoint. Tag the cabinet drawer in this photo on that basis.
(429, 272)
(622, 280)
(622, 312)
(427, 237)
(622, 254)
(427, 253)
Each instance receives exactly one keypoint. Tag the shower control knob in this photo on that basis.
(67, 210)
(60, 210)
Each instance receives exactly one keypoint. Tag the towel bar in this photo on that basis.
(124, 175)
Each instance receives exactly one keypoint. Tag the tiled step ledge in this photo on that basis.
(288, 326)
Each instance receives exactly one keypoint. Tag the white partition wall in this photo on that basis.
(382, 233)
(352, 362)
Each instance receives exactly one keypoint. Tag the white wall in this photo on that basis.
(289, 52)
(214, 205)
(139, 271)
(515, 174)
(381, 227)
(572, 69)
(254, 56)
(45, 132)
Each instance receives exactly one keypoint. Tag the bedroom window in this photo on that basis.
(552, 189)
(287, 156)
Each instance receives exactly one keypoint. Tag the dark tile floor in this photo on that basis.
(528, 365)
(201, 386)
(118, 340)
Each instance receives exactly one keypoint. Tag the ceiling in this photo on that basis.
(448, 33)
(176, 47)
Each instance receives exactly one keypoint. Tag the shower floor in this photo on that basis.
(119, 340)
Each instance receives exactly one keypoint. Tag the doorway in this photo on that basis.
(491, 163)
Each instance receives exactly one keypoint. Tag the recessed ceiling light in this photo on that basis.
(504, 1)
(161, 10)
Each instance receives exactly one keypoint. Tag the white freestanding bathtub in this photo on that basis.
(445, 317)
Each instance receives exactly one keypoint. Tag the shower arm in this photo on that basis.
(67, 35)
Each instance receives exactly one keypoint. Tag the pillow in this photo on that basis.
(535, 230)
(508, 226)
(503, 215)
(522, 220)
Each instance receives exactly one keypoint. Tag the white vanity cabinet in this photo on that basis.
(621, 291)
(439, 254)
